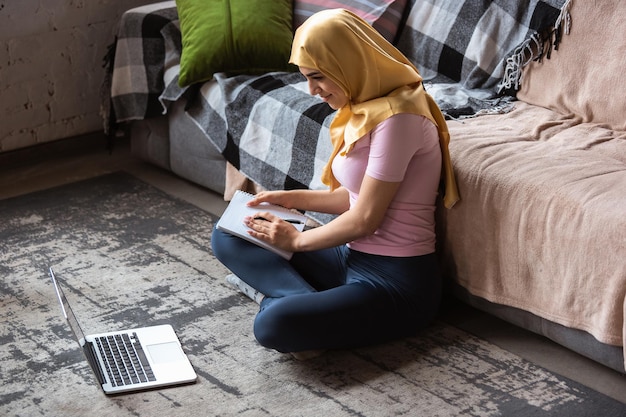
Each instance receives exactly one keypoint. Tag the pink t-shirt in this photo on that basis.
(403, 148)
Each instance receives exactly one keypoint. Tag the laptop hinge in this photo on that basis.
(93, 362)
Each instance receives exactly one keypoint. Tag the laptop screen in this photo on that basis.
(67, 311)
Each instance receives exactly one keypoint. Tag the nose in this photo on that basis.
(314, 87)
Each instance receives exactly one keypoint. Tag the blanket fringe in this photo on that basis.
(534, 49)
(565, 17)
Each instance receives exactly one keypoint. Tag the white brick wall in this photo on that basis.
(51, 67)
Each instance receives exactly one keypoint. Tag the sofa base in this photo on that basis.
(576, 340)
(175, 143)
(150, 141)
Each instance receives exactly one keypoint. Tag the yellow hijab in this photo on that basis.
(377, 78)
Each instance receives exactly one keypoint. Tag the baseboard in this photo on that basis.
(94, 140)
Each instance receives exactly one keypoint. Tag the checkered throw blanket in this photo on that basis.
(472, 52)
(479, 44)
(142, 65)
(266, 125)
(449, 49)
(269, 127)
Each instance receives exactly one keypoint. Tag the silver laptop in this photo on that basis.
(131, 360)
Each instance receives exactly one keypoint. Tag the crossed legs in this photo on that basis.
(333, 298)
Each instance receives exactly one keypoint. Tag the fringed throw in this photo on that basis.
(548, 35)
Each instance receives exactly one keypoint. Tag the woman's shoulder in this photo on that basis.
(403, 122)
(406, 118)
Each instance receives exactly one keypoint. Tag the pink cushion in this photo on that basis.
(384, 15)
(585, 76)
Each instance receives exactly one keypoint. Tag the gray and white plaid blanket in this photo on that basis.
(270, 127)
(270, 118)
(143, 65)
(478, 44)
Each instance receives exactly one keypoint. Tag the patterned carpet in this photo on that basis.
(131, 255)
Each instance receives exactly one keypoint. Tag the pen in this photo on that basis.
(292, 221)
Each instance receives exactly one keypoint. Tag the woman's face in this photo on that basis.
(327, 89)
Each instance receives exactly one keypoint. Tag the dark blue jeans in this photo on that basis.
(333, 298)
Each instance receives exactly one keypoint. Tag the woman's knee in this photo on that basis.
(269, 333)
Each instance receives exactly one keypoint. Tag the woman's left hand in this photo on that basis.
(273, 230)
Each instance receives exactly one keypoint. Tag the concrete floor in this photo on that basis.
(70, 160)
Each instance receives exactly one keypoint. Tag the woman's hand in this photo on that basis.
(281, 198)
(323, 201)
(273, 230)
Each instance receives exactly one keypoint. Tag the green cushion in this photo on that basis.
(238, 36)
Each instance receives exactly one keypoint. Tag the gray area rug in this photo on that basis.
(131, 255)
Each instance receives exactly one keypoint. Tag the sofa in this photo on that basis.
(536, 106)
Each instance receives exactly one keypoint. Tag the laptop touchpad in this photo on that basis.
(165, 352)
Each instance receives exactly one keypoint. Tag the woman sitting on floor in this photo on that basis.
(370, 275)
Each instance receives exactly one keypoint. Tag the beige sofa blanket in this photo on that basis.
(542, 221)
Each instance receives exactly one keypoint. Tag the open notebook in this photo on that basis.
(232, 219)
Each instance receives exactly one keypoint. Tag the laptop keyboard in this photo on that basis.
(124, 359)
